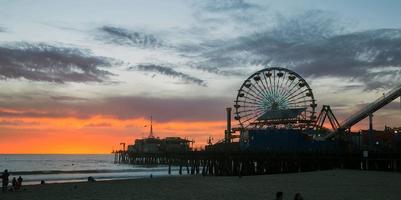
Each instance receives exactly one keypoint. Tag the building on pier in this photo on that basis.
(388, 140)
(153, 144)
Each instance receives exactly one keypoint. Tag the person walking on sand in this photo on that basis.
(4, 180)
(279, 196)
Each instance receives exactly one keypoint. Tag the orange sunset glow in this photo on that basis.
(98, 135)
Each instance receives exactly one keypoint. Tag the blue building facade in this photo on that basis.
(282, 140)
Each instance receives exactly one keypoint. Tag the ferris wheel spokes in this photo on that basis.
(272, 96)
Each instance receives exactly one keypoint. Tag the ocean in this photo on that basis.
(58, 168)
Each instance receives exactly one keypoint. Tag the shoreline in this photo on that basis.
(101, 179)
(74, 168)
(329, 184)
(77, 176)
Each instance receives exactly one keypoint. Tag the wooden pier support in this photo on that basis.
(257, 163)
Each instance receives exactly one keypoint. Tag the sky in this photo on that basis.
(83, 76)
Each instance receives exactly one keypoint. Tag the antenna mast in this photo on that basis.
(151, 127)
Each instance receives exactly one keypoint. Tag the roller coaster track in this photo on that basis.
(371, 108)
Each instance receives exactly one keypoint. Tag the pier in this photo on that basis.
(258, 163)
(278, 131)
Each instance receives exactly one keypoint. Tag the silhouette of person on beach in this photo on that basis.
(14, 184)
(5, 180)
(91, 179)
(298, 196)
(19, 182)
(279, 196)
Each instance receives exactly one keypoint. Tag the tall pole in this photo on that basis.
(228, 131)
(151, 128)
(370, 130)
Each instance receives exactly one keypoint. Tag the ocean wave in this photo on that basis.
(87, 171)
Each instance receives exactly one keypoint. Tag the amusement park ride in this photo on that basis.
(278, 99)
(275, 97)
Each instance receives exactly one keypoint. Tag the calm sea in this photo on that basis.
(74, 168)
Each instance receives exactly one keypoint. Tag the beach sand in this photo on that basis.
(331, 184)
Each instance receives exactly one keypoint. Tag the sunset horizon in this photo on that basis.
(83, 77)
(200, 99)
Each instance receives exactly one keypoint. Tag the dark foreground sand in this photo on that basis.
(333, 184)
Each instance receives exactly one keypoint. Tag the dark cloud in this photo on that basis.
(16, 123)
(217, 70)
(315, 45)
(351, 87)
(43, 62)
(121, 36)
(17, 112)
(129, 107)
(308, 26)
(215, 15)
(167, 109)
(372, 57)
(68, 98)
(169, 71)
(2, 29)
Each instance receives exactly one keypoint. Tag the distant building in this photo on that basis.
(146, 145)
(392, 129)
(155, 145)
(387, 139)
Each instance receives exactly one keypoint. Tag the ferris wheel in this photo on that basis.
(275, 97)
